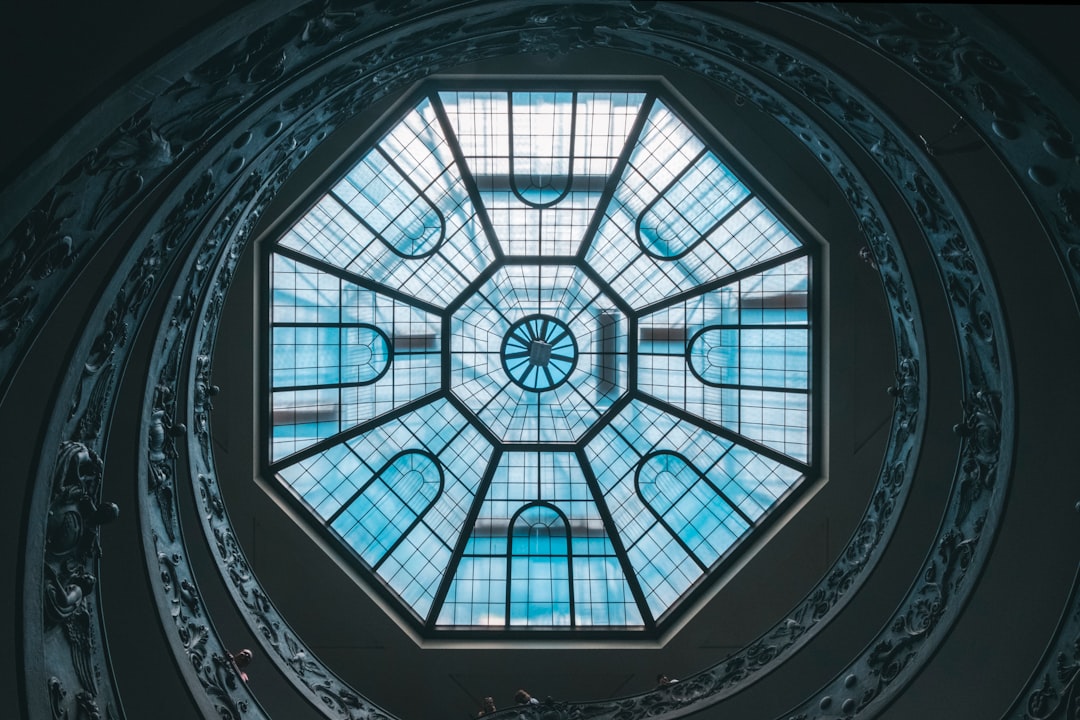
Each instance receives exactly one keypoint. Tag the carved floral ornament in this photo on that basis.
(276, 111)
(72, 548)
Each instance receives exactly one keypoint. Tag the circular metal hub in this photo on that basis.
(539, 352)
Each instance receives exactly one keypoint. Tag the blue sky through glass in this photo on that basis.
(540, 359)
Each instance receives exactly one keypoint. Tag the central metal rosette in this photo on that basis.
(538, 353)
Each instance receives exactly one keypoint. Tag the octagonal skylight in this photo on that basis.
(540, 359)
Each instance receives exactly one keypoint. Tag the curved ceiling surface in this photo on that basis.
(217, 135)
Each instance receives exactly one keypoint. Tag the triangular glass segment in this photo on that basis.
(398, 495)
(401, 216)
(680, 495)
(679, 218)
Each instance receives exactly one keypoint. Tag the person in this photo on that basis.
(663, 680)
(523, 698)
(240, 661)
(488, 707)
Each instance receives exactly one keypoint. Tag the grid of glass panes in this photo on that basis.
(402, 216)
(479, 328)
(730, 488)
(342, 354)
(540, 160)
(405, 443)
(738, 356)
(345, 482)
(647, 251)
(539, 554)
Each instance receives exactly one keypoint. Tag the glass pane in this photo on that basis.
(738, 356)
(541, 160)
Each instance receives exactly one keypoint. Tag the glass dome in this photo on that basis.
(540, 359)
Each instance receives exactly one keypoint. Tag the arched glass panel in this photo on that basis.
(541, 160)
(760, 356)
(539, 592)
(713, 355)
(386, 508)
(365, 354)
(689, 506)
(699, 200)
(542, 146)
(341, 354)
(678, 218)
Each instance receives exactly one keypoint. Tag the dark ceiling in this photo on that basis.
(61, 62)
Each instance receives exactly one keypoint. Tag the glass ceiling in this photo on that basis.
(539, 360)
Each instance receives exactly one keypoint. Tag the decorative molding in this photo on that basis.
(253, 109)
(1022, 113)
(1003, 96)
(873, 678)
(153, 150)
(1053, 692)
(202, 656)
(72, 627)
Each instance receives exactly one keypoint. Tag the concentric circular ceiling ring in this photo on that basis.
(974, 399)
